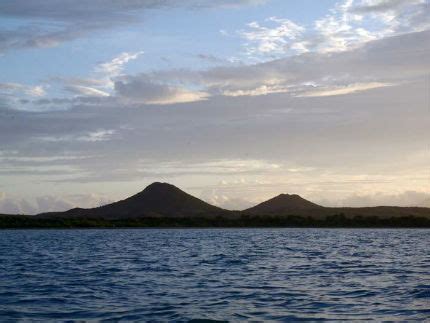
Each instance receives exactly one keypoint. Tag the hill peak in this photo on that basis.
(159, 186)
(290, 197)
(283, 203)
(158, 189)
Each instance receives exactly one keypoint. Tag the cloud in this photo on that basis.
(27, 90)
(18, 95)
(392, 60)
(50, 203)
(142, 90)
(314, 146)
(92, 136)
(274, 40)
(349, 25)
(211, 58)
(93, 89)
(47, 23)
(326, 122)
(407, 198)
(261, 90)
(225, 202)
(115, 66)
(384, 5)
(85, 90)
(102, 81)
(37, 91)
(348, 89)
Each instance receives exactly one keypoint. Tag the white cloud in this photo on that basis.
(92, 136)
(115, 66)
(22, 89)
(36, 91)
(342, 90)
(261, 90)
(99, 135)
(85, 90)
(262, 39)
(101, 82)
(349, 25)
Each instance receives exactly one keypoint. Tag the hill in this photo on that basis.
(156, 200)
(284, 204)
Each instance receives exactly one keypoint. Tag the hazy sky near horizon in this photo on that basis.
(234, 101)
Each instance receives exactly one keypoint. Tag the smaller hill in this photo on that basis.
(284, 204)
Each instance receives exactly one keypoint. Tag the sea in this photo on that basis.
(186, 275)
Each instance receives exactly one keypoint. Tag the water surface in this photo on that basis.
(219, 274)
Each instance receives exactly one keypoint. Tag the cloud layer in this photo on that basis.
(336, 111)
(48, 23)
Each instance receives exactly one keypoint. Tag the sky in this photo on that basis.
(233, 101)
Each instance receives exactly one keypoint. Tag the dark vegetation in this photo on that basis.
(333, 221)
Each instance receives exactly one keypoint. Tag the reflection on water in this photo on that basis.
(221, 274)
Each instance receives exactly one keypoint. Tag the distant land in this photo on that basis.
(165, 205)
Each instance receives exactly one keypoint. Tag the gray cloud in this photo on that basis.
(392, 60)
(384, 5)
(67, 20)
(142, 89)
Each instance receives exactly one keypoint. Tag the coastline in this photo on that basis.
(335, 222)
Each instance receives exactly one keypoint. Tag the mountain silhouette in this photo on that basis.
(163, 200)
(156, 200)
(284, 204)
(293, 204)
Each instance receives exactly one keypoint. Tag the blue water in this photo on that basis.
(219, 274)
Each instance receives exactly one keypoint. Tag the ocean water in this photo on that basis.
(216, 274)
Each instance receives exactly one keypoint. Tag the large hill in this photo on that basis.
(156, 200)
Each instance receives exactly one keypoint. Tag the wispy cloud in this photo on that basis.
(80, 18)
(342, 90)
(16, 88)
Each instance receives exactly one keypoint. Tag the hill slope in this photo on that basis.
(156, 200)
(284, 204)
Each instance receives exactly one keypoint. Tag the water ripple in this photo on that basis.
(217, 275)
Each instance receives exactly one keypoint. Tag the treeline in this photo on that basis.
(334, 221)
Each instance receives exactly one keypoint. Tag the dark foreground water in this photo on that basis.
(220, 274)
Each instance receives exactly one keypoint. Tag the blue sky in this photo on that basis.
(234, 101)
(169, 38)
